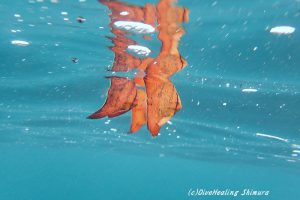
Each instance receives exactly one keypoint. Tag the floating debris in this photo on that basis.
(15, 31)
(169, 122)
(75, 60)
(124, 13)
(20, 43)
(80, 19)
(249, 90)
(135, 27)
(282, 30)
(139, 50)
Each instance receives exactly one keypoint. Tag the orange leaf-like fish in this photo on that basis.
(120, 98)
(162, 102)
(150, 95)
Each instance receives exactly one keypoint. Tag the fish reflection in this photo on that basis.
(150, 95)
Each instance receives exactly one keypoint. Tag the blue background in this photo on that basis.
(49, 150)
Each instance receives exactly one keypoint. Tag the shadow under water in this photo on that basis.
(150, 95)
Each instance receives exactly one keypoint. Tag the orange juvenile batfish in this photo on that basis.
(150, 95)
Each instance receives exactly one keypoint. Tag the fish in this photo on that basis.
(150, 96)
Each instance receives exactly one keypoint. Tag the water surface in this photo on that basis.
(224, 136)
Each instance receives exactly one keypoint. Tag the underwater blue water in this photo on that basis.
(222, 138)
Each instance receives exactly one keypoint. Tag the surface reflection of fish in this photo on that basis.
(150, 95)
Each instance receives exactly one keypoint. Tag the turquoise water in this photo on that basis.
(223, 138)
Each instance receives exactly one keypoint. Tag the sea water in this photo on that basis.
(237, 133)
